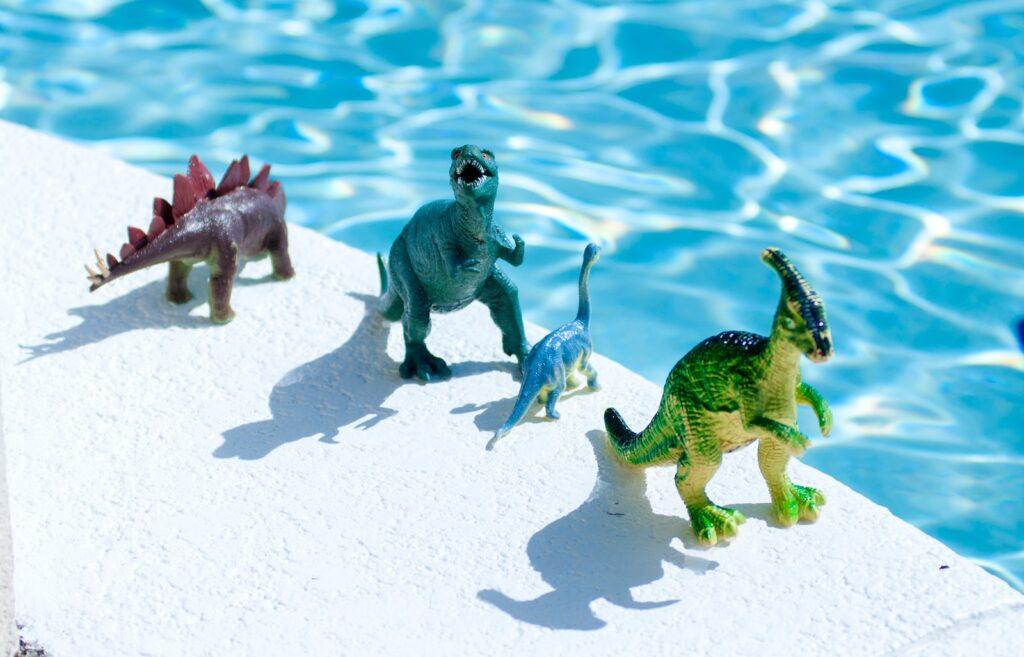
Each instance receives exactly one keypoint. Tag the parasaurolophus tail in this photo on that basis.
(532, 384)
(655, 444)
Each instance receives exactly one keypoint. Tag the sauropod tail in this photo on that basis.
(527, 393)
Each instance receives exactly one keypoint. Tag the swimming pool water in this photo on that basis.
(878, 143)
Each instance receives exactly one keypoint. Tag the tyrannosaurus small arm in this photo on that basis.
(445, 258)
(217, 224)
(729, 391)
(554, 362)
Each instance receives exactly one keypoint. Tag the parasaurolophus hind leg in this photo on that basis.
(790, 502)
(177, 282)
(222, 279)
(697, 465)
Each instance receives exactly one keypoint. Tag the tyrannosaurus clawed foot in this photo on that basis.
(712, 522)
(422, 364)
(799, 503)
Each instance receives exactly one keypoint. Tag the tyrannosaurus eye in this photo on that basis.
(788, 323)
(456, 152)
(488, 155)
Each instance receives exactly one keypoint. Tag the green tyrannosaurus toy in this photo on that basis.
(729, 391)
(446, 258)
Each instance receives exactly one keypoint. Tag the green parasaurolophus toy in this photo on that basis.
(729, 391)
(446, 258)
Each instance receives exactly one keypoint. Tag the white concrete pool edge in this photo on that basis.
(8, 628)
(157, 502)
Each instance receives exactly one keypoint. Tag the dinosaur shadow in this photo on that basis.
(492, 414)
(348, 385)
(613, 542)
(144, 307)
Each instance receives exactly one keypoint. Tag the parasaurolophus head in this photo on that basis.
(473, 173)
(801, 314)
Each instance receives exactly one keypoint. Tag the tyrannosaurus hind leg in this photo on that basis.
(500, 295)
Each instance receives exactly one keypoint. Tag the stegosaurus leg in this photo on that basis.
(709, 521)
(177, 282)
(222, 279)
(279, 258)
(790, 502)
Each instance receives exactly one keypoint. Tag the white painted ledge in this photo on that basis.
(271, 487)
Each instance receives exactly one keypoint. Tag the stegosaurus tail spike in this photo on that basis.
(97, 278)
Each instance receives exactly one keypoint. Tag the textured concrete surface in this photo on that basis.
(272, 487)
(8, 629)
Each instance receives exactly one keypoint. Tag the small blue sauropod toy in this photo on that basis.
(552, 364)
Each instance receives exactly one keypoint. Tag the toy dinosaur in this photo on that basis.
(553, 362)
(729, 391)
(216, 224)
(445, 258)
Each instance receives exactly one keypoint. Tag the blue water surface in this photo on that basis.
(878, 143)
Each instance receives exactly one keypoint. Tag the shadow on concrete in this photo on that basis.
(759, 510)
(492, 414)
(348, 385)
(613, 542)
(145, 307)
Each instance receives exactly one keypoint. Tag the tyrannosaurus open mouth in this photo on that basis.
(471, 173)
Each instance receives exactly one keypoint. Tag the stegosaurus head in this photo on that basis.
(801, 314)
(473, 173)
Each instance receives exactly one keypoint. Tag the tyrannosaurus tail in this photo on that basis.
(531, 387)
(652, 445)
(382, 269)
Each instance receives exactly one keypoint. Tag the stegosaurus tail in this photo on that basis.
(145, 248)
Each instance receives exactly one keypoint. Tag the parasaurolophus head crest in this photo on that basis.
(801, 313)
